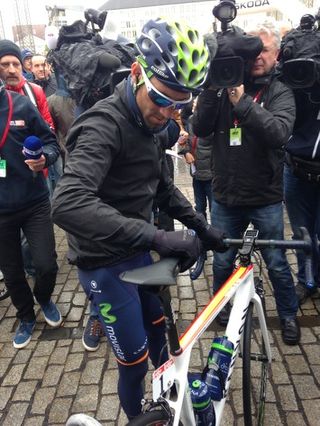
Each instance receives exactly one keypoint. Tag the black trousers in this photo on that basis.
(37, 226)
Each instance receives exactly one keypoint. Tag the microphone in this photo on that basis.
(32, 149)
(108, 61)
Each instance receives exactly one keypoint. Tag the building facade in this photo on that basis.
(130, 15)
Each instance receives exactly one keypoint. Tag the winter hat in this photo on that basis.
(26, 53)
(7, 47)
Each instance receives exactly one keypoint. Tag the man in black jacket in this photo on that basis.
(251, 125)
(104, 200)
(43, 75)
(25, 205)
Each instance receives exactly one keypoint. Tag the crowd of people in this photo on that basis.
(98, 176)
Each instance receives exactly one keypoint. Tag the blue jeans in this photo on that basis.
(55, 171)
(202, 192)
(303, 206)
(269, 221)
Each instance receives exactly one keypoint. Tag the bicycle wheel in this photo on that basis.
(152, 418)
(253, 388)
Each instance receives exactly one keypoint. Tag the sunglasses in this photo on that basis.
(159, 98)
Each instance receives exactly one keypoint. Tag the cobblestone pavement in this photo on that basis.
(54, 376)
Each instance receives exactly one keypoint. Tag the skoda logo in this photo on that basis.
(94, 284)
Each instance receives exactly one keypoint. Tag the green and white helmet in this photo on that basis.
(176, 54)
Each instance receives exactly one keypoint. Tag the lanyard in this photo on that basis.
(255, 99)
(6, 130)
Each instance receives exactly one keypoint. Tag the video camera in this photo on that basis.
(95, 17)
(235, 48)
(90, 65)
(299, 57)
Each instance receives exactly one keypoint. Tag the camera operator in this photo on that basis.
(251, 124)
(302, 168)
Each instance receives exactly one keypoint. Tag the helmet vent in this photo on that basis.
(154, 33)
(180, 78)
(195, 57)
(167, 59)
(192, 36)
(146, 44)
(184, 66)
(170, 30)
(193, 77)
(173, 48)
(185, 49)
(178, 26)
(159, 64)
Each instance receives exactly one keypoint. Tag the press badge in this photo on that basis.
(3, 168)
(235, 136)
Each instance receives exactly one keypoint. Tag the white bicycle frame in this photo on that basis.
(240, 285)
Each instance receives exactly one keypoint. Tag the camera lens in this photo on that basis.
(300, 73)
(227, 72)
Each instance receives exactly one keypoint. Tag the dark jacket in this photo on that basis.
(249, 174)
(49, 85)
(305, 140)
(20, 188)
(104, 199)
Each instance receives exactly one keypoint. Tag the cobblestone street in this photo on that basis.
(54, 376)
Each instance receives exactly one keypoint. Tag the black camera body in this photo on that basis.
(235, 55)
(299, 57)
(235, 49)
(90, 65)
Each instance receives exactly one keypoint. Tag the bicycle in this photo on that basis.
(171, 401)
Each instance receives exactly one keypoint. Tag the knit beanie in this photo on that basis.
(7, 47)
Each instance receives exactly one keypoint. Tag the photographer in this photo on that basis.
(251, 124)
(299, 66)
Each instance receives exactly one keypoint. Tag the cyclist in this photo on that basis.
(104, 200)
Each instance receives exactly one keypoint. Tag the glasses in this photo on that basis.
(159, 98)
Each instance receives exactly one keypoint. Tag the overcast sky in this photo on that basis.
(39, 14)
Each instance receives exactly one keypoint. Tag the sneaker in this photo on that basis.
(51, 314)
(82, 419)
(303, 293)
(23, 334)
(290, 331)
(92, 334)
(223, 316)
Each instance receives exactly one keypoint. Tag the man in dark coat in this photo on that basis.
(25, 205)
(251, 125)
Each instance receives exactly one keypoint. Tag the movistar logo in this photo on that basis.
(104, 309)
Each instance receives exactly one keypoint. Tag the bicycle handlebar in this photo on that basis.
(304, 244)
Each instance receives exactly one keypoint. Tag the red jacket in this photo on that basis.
(40, 98)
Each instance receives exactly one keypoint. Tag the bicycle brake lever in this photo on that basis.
(196, 271)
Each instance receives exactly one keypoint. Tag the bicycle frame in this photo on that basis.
(240, 285)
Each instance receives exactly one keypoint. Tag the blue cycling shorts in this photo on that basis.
(126, 311)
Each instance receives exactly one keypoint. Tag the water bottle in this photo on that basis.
(216, 372)
(201, 402)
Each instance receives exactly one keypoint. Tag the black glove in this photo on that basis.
(184, 245)
(212, 238)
